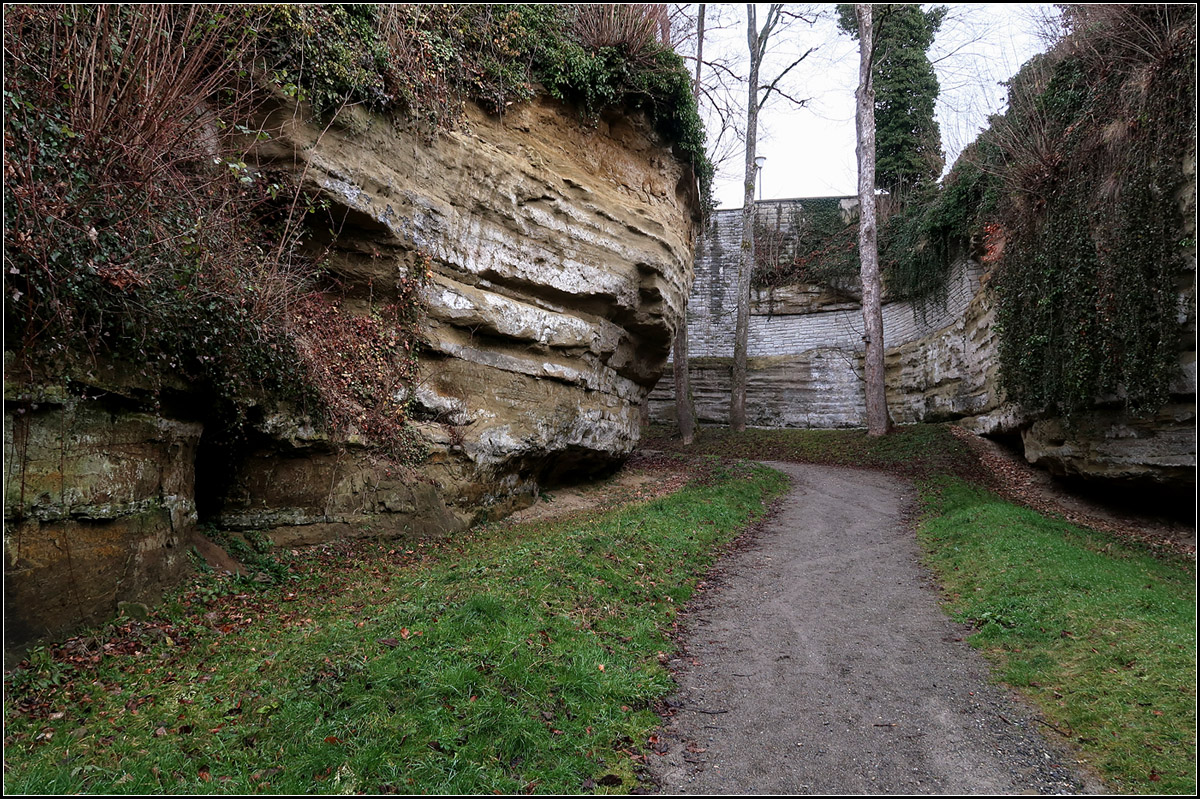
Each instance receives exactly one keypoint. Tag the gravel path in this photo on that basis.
(819, 662)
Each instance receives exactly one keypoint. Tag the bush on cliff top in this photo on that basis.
(132, 226)
(425, 61)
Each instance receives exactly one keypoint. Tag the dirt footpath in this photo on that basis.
(819, 662)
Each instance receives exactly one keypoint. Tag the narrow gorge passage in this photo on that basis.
(818, 661)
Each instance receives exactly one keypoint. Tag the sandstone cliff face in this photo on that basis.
(98, 502)
(947, 372)
(559, 258)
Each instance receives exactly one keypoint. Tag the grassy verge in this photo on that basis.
(1099, 632)
(1101, 635)
(476, 667)
(912, 450)
(518, 659)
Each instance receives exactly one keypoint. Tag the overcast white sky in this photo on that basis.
(810, 150)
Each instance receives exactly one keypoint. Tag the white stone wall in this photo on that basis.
(806, 360)
(942, 362)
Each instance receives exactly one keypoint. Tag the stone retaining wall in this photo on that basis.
(806, 344)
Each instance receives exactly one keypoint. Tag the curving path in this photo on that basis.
(819, 662)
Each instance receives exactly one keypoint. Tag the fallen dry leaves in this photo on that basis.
(1025, 484)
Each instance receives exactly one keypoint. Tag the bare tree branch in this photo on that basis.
(774, 85)
(795, 101)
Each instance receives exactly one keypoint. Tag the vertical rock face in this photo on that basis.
(806, 345)
(940, 364)
(98, 507)
(1108, 443)
(558, 256)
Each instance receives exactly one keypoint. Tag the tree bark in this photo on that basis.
(685, 413)
(878, 422)
(737, 399)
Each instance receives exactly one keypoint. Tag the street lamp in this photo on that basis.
(758, 165)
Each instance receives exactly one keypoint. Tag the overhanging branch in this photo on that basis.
(774, 85)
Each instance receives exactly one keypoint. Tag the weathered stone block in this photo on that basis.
(99, 507)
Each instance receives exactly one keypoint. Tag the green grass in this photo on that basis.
(476, 666)
(1101, 635)
(912, 450)
(519, 658)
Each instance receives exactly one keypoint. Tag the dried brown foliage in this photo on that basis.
(125, 187)
(634, 28)
(143, 82)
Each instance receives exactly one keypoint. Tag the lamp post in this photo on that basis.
(758, 165)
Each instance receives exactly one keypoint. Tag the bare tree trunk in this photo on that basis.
(685, 413)
(756, 99)
(737, 399)
(868, 245)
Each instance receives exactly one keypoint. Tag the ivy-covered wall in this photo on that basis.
(1092, 246)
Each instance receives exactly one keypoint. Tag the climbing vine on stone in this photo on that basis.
(1093, 150)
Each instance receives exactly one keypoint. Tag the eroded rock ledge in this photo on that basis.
(560, 258)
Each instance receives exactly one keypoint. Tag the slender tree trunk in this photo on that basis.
(868, 245)
(737, 400)
(685, 413)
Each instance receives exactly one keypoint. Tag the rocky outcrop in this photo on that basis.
(559, 262)
(953, 373)
(558, 255)
(1159, 448)
(98, 502)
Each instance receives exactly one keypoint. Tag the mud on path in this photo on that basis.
(818, 660)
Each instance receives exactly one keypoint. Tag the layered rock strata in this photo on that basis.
(559, 256)
(559, 261)
(99, 502)
(806, 351)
